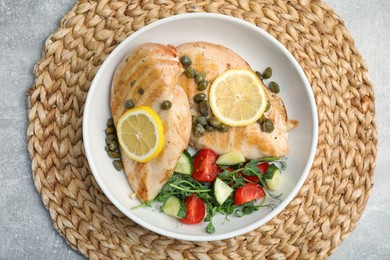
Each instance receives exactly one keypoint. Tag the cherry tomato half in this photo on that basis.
(205, 169)
(249, 192)
(263, 167)
(196, 210)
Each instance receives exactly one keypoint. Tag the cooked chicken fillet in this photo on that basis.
(155, 69)
(250, 140)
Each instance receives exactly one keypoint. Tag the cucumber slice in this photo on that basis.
(221, 191)
(231, 158)
(171, 206)
(184, 165)
(273, 177)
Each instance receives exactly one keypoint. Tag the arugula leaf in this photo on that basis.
(210, 228)
(239, 182)
(251, 168)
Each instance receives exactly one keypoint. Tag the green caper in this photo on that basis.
(113, 154)
(199, 97)
(274, 87)
(113, 145)
(201, 76)
(110, 130)
(141, 91)
(258, 73)
(204, 108)
(214, 122)
(129, 104)
(268, 106)
(261, 119)
(110, 137)
(209, 128)
(190, 72)
(110, 122)
(202, 85)
(202, 120)
(267, 126)
(166, 105)
(199, 130)
(267, 73)
(107, 148)
(185, 61)
(118, 165)
(223, 128)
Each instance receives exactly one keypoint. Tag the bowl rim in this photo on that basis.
(209, 237)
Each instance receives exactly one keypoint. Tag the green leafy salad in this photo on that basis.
(206, 184)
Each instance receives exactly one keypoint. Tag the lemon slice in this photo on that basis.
(140, 133)
(237, 97)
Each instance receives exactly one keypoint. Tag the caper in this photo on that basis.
(110, 122)
(261, 119)
(166, 105)
(107, 148)
(141, 91)
(268, 106)
(223, 128)
(110, 137)
(185, 61)
(209, 128)
(274, 87)
(267, 126)
(199, 130)
(194, 119)
(199, 97)
(202, 120)
(113, 145)
(113, 154)
(129, 104)
(202, 85)
(213, 121)
(190, 72)
(258, 73)
(132, 83)
(204, 108)
(267, 73)
(201, 76)
(110, 130)
(118, 165)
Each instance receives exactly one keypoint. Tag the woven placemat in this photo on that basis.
(319, 218)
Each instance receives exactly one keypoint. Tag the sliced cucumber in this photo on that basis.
(231, 158)
(273, 177)
(171, 206)
(221, 191)
(184, 165)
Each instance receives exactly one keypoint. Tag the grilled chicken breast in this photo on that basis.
(250, 140)
(148, 76)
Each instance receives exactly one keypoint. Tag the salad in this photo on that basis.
(206, 184)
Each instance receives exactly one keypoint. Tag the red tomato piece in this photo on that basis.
(263, 167)
(196, 210)
(205, 169)
(249, 192)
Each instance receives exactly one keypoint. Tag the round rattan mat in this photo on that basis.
(319, 218)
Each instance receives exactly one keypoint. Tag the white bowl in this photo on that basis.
(260, 50)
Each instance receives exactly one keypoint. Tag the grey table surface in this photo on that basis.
(26, 231)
